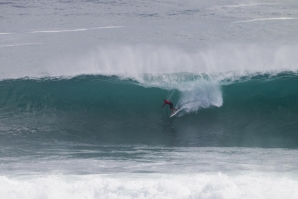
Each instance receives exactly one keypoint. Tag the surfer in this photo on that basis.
(170, 104)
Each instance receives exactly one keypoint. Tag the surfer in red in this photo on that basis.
(170, 104)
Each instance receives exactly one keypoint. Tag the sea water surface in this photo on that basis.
(82, 84)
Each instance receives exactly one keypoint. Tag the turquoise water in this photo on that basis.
(256, 112)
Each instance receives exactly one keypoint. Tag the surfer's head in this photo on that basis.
(164, 100)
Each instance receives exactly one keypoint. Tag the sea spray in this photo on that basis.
(195, 90)
(133, 61)
(202, 95)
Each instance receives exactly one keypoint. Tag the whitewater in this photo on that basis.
(82, 84)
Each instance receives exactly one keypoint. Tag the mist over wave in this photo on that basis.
(132, 61)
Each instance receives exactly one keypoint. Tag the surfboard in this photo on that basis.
(175, 113)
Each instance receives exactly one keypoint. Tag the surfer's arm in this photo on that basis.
(163, 105)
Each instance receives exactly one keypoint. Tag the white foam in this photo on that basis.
(21, 44)
(242, 5)
(57, 31)
(74, 30)
(150, 186)
(247, 5)
(196, 91)
(266, 19)
(200, 95)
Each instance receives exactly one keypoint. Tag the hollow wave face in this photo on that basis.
(260, 111)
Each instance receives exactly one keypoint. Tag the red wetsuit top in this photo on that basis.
(167, 102)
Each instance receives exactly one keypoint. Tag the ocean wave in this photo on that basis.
(255, 111)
